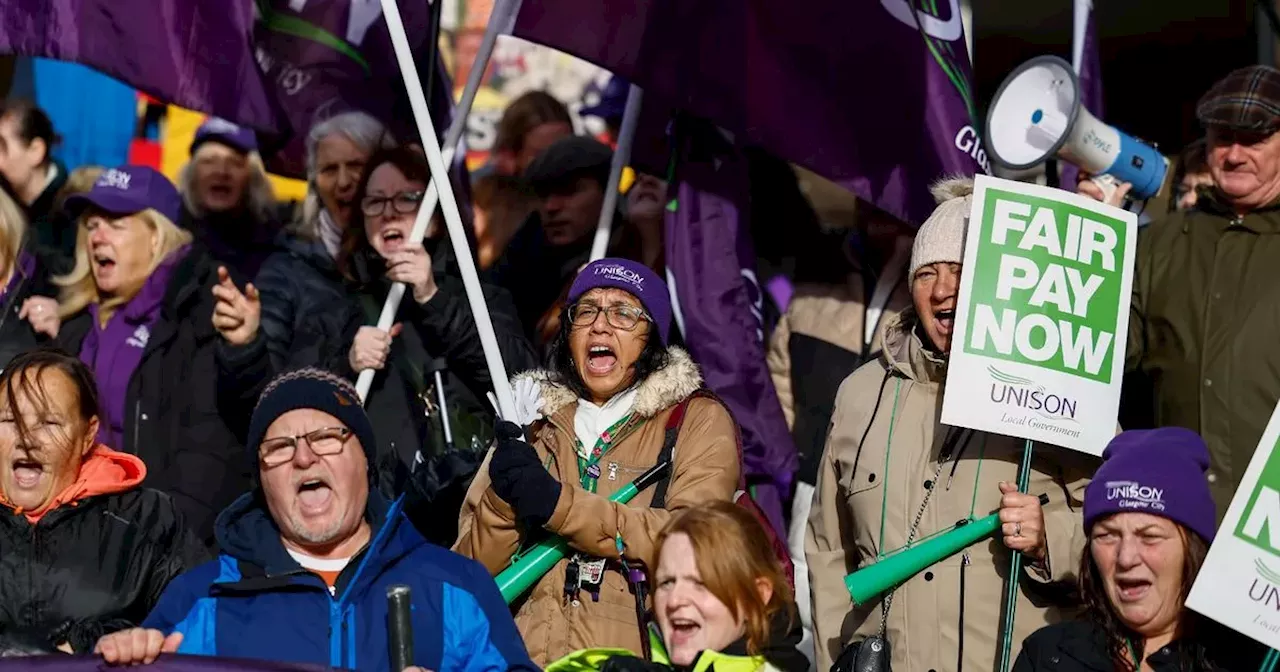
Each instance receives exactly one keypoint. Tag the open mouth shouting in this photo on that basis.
(393, 238)
(1132, 590)
(104, 263)
(27, 472)
(601, 359)
(314, 496)
(684, 631)
(946, 320)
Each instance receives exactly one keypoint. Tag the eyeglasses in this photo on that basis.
(618, 316)
(405, 203)
(324, 441)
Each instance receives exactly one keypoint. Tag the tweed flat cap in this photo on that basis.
(1245, 100)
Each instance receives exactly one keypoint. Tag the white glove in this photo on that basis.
(528, 399)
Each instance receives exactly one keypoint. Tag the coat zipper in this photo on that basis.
(964, 562)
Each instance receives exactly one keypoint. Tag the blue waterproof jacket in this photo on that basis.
(255, 601)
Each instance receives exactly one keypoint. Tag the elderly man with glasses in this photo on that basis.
(308, 555)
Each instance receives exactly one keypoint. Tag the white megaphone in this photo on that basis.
(1037, 115)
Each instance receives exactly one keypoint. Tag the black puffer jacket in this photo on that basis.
(32, 279)
(1081, 646)
(444, 328)
(298, 281)
(171, 411)
(238, 239)
(91, 567)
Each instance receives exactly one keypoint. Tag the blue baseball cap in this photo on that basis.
(128, 190)
(613, 100)
(239, 138)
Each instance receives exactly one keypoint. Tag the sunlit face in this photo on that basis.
(692, 620)
(1245, 166)
(121, 251)
(392, 193)
(339, 163)
(19, 159)
(571, 213)
(1139, 557)
(933, 291)
(221, 177)
(316, 500)
(646, 198)
(33, 473)
(604, 355)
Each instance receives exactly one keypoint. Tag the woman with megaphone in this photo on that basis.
(1150, 520)
(892, 476)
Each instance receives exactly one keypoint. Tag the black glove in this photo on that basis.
(520, 479)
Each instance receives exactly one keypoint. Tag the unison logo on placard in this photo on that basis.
(1260, 524)
(1044, 410)
(1047, 290)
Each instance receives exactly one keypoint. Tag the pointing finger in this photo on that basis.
(251, 292)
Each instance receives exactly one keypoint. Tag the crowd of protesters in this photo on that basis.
(186, 465)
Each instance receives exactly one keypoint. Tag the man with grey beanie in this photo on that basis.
(892, 474)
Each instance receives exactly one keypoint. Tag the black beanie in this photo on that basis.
(317, 389)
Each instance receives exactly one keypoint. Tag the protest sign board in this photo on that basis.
(1239, 582)
(1041, 324)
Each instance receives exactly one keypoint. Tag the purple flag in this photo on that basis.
(710, 256)
(873, 95)
(279, 66)
(193, 53)
(323, 57)
(1087, 63)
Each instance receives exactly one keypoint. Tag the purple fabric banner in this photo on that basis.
(298, 63)
(873, 95)
(193, 53)
(709, 253)
(1087, 62)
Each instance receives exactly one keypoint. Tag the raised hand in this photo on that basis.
(370, 348)
(42, 313)
(237, 314)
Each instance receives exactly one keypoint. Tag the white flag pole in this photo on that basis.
(453, 219)
(621, 157)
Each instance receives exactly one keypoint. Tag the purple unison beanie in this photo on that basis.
(1155, 471)
(629, 276)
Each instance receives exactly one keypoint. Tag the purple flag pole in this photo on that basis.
(711, 260)
(1087, 63)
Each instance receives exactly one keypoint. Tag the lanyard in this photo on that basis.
(589, 469)
(884, 495)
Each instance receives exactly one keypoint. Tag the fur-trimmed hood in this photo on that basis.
(664, 388)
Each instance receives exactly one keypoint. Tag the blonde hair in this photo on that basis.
(80, 181)
(13, 231)
(79, 288)
(260, 197)
(732, 552)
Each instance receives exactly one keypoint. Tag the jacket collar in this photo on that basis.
(1260, 220)
(246, 532)
(664, 388)
(905, 353)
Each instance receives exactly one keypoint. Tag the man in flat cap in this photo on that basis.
(1206, 291)
(569, 179)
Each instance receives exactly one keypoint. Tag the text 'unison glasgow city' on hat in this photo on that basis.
(629, 276)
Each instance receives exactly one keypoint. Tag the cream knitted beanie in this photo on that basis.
(941, 237)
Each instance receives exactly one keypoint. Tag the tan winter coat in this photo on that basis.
(706, 468)
(926, 620)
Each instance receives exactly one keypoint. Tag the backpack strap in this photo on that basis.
(674, 422)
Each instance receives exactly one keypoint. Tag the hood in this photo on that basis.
(246, 531)
(103, 472)
(904, 351)
(664, 388)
